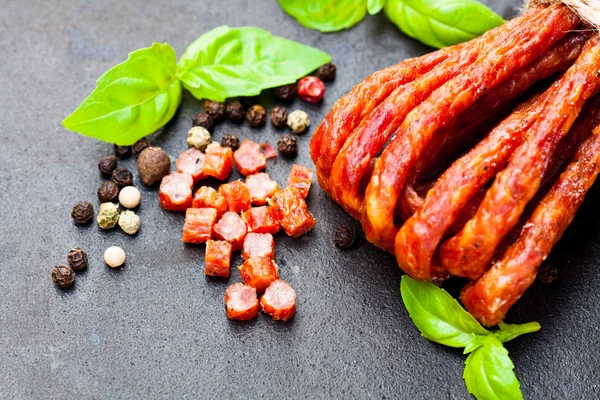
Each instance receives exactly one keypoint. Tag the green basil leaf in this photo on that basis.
(508, 332)
(325, 15)
(374, 6)
(441, 23)
(438, 316)
(131, 100)
(474, 344)
(229, 62)
(489, 373)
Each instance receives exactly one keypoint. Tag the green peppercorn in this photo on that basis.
(199, 138)
(285, 92)
(231, 141)
(107, 165)
(256, 116)
(326, 72)
(77, 259)
(122, 177)
(298, 121)
(235, 111)
(122, 151)
(287, 145)
(130, 222)
(344, 237)
(63, 276)
(108, 191)
(279, 116)
(215, 109)
(204, 120)
(140, 146)
(82, 212)
(108, 215)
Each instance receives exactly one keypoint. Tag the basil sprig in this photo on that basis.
(488, 371)
(374, 6)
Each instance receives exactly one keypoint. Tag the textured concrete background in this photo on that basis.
(156, 328)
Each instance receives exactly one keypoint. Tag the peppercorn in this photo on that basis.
(204, 120)
(256, 116)
(153, 164)
(122, 177)
(107, 165)
(215, 109)
(83, 212)
(248, 102)
(140, 146)
(547, 273)
(122, 151)
(326, 72)
(114, 256)
(108, 215)
(130, 222)
(130, 197)
(199, 138)
(285, 92)
(235, 111)
(108, 191)
(311, 89)
(344, 237)
(230, 141)
(279, 116)
(63, 276)
(298, 121)
(287, 145)
(77, 259)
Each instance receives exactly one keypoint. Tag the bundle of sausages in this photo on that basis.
(472, 160)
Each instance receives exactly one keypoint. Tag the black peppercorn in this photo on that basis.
(256, 116)
(122, 177)
(248, 102)
(234, 111)
(215, 109)
(204, 120)
(547, 274)
(122, 151)
(83, 212)
(279, 116)
(63, 276)
(230, 141)
(344, 237)
(108, 192)
(326, 72)
(287, 145)
(78, 259)
(107, 165)
(140, 146)
(285, 92)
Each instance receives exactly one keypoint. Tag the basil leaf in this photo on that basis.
(132, 99)
(441, 23)
(508, 332)
(229, 62)
(474, 344)
(325, 15)
(374, 6)
(489, 373)
(437, 315)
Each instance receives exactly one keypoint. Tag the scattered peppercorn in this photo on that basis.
(311, 89)
(130, 222)
(83, 212)
(248, 102)
(344, 237)
(122, 177)
(287, 145)
(130, 197)
(285, 92)
(547, 274)
(108, 191)
(256, 116)
(279, 116)
(204, 120)
(108, 215)
(298, 121)
(107, 165)
(230, 141)
(114, 256)
(77, 259)
(140, 146)
(122, 151)
(215, 109)
(199, 138)
(63, 276)
(326, 72)
(153, 164)
(235, 111)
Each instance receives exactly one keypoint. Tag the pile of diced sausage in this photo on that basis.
(241, 215)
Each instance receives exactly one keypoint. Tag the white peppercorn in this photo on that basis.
(130, 222)
(199, 138)
(130, 197)
(114, 256)
(298, 121)
(108, 215)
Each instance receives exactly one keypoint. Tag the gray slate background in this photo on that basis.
(156, 328)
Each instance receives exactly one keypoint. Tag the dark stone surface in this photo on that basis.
(157, 328)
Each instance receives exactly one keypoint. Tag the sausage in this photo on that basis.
(175, 193)
(209, 197)
(298, 222)
(217, 259)
(261, 220)
(191, 162)
(279, 301)
(259, 272)
(301, 179)
(218, 161)
(469, 252)
(198, 226)
(285, 201)
(237, 195)
(232, 229)
(258, 245)
(248, 158)
(261, 187)
(241, 302)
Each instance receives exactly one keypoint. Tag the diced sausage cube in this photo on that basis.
(279, 301)
(301, 179)
(175, 192)
(218, 161)
(248, 158)
(285, 201)
(261, 187)
(261, 220)
(298, 222)
(259, 272)
(199, 223)
(232, 229)
(241, 302)
(237, 195)
(209, 197)
(258, 245)
(217, 258)
(268, 150)
(191, 162)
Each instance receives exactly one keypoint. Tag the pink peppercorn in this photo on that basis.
(311, 89)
